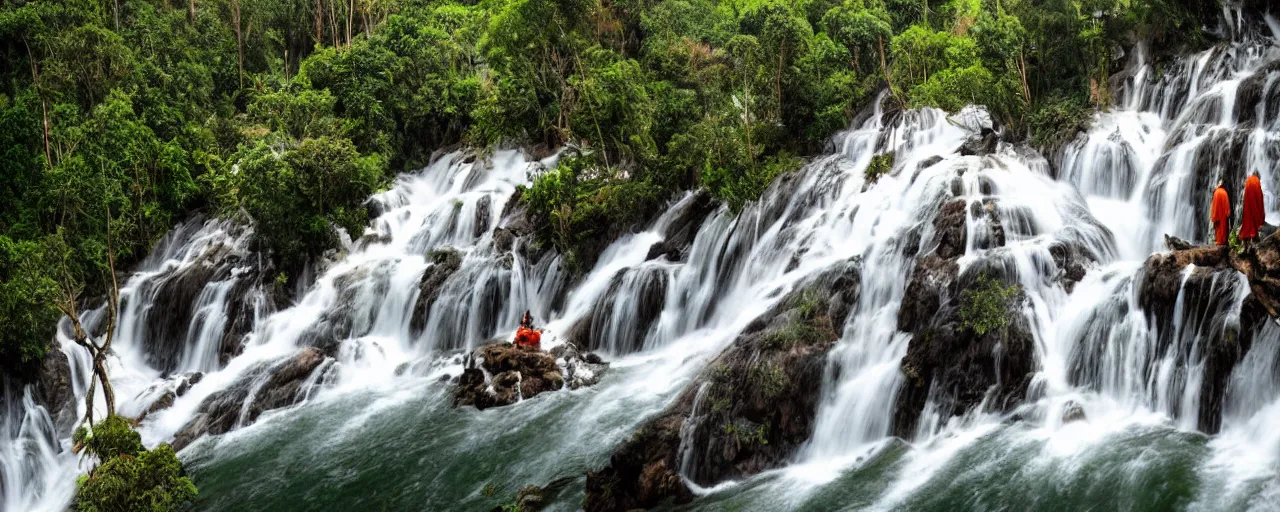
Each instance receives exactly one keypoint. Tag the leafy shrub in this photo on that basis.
(880, 165)
(130, 477)
(984, 307)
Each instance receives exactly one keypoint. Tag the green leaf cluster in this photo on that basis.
(985, 307)
(129, 476)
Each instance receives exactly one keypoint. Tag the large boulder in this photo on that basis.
(970, 343)
(748, 411)
(224, 410)
(1197, 288)
(53, 389)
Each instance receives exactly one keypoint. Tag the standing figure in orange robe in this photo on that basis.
(1220, 214)
(526, 335)
(1253, 214)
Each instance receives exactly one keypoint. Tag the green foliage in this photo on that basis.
(28, 291)
(129, 476)
(770, 379)
(985, 307)
(298, 194)
(110, 438)
(880, 165)
(1057, 121)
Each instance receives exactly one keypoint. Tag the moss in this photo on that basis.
(985, 307)
(769, 379)
(880, 165)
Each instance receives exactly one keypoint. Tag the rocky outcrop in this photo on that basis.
(962, 352)
(173, 298)
(443, 265)
(683, 227)
(500, 374)
(165, 392)
(748, 411)
(970, 343)
(53, 389)
(282, 384)
(1204, 280)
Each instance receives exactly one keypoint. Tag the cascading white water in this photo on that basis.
(1142, 171)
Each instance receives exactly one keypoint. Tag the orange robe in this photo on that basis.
(1220, 215)
(1253, 214)
(529, 338)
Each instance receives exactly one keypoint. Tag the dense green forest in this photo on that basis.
(120, 117)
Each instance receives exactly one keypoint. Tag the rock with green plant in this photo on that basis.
(749, 411)
(970, 339)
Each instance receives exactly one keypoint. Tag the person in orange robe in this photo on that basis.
(526, 335)
(1220, 214)
(1253, 214)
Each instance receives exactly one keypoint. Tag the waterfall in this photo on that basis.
(210, 356)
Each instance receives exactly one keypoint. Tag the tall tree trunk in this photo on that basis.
(191, 10)
(319, 22)
(235, 23)
(884, 68)
(351, 14)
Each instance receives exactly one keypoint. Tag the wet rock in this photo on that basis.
(580, 369)
(1174, 243)
(749, 411)
(1073, 412)
(53, 389)
(444, 263)
(484, 212)
(950, 233)
(974, 119)
(980, 145)
(684, 226)
(662, 248)
(503, 239)
(1251, 93)
(283, 386)
(1072, 261)
(954, 363)
(622, 317)
(505, 375)
(1203, 303)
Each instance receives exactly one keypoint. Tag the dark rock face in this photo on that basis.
(1207, 301)
(1251, 94)
(622, 317)
(948, 361)
(174, 299)
(221, 411)
(980, 145)
(749, 411)
(680, 233)
(443, 264)
(514, 373)
(53, 389)
(484, 212)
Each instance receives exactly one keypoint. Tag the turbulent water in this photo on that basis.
(372, 425)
